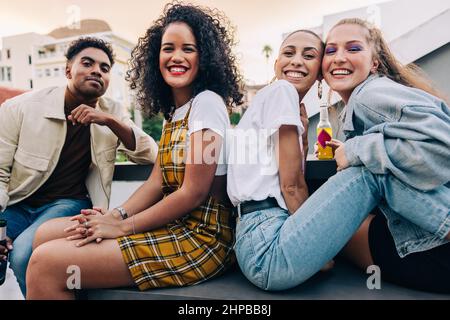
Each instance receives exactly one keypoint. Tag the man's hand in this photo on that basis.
(5, 250)
(86, 115)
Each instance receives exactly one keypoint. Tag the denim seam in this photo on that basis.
(444, 227)
(419, 245)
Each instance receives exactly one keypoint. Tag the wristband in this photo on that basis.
(122, 212)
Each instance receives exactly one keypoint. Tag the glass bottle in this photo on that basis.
(324, 134)
(3, 264)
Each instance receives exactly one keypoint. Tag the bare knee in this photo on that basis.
(36, 271)
(41, 235)
(45, 275)
(51, 230)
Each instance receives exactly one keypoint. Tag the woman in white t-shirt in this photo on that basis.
(177, 229)
(266, 164)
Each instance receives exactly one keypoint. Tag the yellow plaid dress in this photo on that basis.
(188, 250)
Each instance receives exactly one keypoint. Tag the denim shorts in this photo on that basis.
(256, 236)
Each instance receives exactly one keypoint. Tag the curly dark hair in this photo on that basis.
(80, 44)
(217, 64)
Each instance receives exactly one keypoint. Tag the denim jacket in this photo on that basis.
(394, 129)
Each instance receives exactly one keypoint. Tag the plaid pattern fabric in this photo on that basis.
(186, 251)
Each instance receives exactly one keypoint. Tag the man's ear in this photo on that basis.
(68, 71)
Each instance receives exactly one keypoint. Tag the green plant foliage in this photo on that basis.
(234, 118)
(153, 126)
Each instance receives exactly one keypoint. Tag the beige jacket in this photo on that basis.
(32, 133)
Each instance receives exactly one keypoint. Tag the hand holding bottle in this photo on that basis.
(338, 148)
(5, 248)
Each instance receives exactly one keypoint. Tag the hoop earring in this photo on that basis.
(330, 95)
(319, 89)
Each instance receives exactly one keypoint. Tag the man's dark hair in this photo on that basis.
(88, 42)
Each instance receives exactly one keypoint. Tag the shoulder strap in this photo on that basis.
(186, 117)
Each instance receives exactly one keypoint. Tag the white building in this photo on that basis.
(33, 61)
(16, 61)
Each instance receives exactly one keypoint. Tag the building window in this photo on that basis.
(8, 53)
(29, 59)
(47, 72)
(31, 83)
(56, 72)
(8, 74)
(41, 54)
(2, 74)
(39, 73)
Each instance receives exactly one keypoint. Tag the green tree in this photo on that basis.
(267, 51)
(234, 118)
(153, 126)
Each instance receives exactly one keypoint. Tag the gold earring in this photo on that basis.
(319, 90)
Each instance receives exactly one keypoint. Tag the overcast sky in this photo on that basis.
(257, 22)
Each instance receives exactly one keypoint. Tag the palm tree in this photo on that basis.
(267, 51)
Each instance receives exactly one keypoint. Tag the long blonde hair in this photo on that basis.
(409, 75)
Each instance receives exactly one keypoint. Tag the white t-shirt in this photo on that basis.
(208, 111)
(252, 162)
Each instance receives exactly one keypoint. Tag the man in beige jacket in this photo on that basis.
(58, 147)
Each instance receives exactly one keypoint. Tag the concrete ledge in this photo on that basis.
(344, 282)
(315, 170)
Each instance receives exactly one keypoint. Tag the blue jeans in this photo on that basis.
(277, 251)
(23, 222)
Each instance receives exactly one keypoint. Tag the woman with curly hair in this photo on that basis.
(177, 228)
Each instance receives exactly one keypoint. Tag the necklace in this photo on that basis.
(174, 108)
